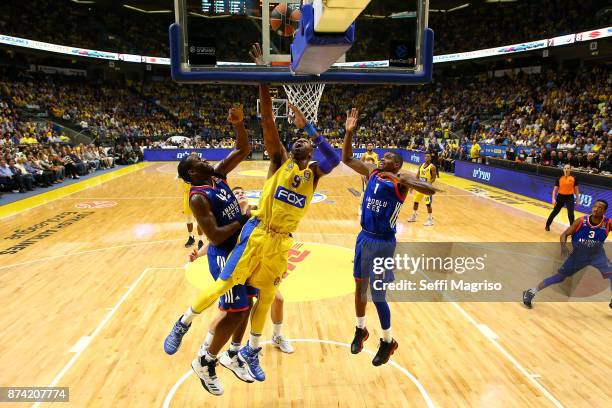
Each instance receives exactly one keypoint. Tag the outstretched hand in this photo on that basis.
(194, 255)
(298, 117)
(256, 54)
(351, 120)
(236, 115)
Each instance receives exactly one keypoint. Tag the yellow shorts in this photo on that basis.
(186, 208)
(418, 197)
(260, 257)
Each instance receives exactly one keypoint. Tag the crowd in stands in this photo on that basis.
(25, 167)
(549, 118)
(481, 25)
(102, 109)
(202, 109)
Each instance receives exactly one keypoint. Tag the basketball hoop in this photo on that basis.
(305, 96)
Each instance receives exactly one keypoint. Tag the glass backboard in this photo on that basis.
(211, 39)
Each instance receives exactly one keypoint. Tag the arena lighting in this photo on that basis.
(146, 11)
(194, 14)
(458, 7)
(501, 1)
(83, 1)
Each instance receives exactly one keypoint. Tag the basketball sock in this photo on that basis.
(361, 322)
(191, 235)
(199, 237)
(430, 217)
(208, 339)
(533, 290)
(387, 337)
(254, 340)
(234, 346)
(188, 317)
(277, 329)
(210, 357)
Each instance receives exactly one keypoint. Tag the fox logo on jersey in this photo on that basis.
(289, 197)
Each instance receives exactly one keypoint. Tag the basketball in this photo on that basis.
(284, 21)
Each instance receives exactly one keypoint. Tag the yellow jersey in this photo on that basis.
(425, 172)
(285, 198)
(475, 151)
(186, 186)
(372, 155)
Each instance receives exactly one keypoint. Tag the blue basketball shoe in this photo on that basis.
(250, 356)
(173, 341)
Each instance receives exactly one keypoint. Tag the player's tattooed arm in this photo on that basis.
(243, 149)
(347, 148)
(203, 214)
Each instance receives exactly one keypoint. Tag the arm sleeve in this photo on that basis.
(330, 157)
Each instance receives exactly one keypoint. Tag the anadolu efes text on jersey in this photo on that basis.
(223, 203)
(381, 206)
(590, 236)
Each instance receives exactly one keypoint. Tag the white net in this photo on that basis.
(306, 97)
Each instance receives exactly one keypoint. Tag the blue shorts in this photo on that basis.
(370, 253)
(580, 259)
(236, 299)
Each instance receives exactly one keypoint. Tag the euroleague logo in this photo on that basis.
(255, 195)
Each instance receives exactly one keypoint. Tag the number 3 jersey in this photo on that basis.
(591, 236)
(382, 203)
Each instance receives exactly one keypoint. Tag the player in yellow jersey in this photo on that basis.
(370, 155)
(260, 257)
(276, 311)
(427, 172)
(189, 218)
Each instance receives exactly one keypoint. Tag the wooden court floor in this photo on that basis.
(87, 305)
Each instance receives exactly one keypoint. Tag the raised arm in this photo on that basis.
(203, 214)
(242, 150)
(330, 158)
(408, 181)
(274, 147)
(347, 148)
(276, 150)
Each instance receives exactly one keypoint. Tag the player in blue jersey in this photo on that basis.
(384, 195)
(588, 236)
(219, 215)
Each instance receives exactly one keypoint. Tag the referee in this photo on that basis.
(564, 194)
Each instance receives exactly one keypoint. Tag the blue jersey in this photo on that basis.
(224, 206)
(381, 206)
(591, 236)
